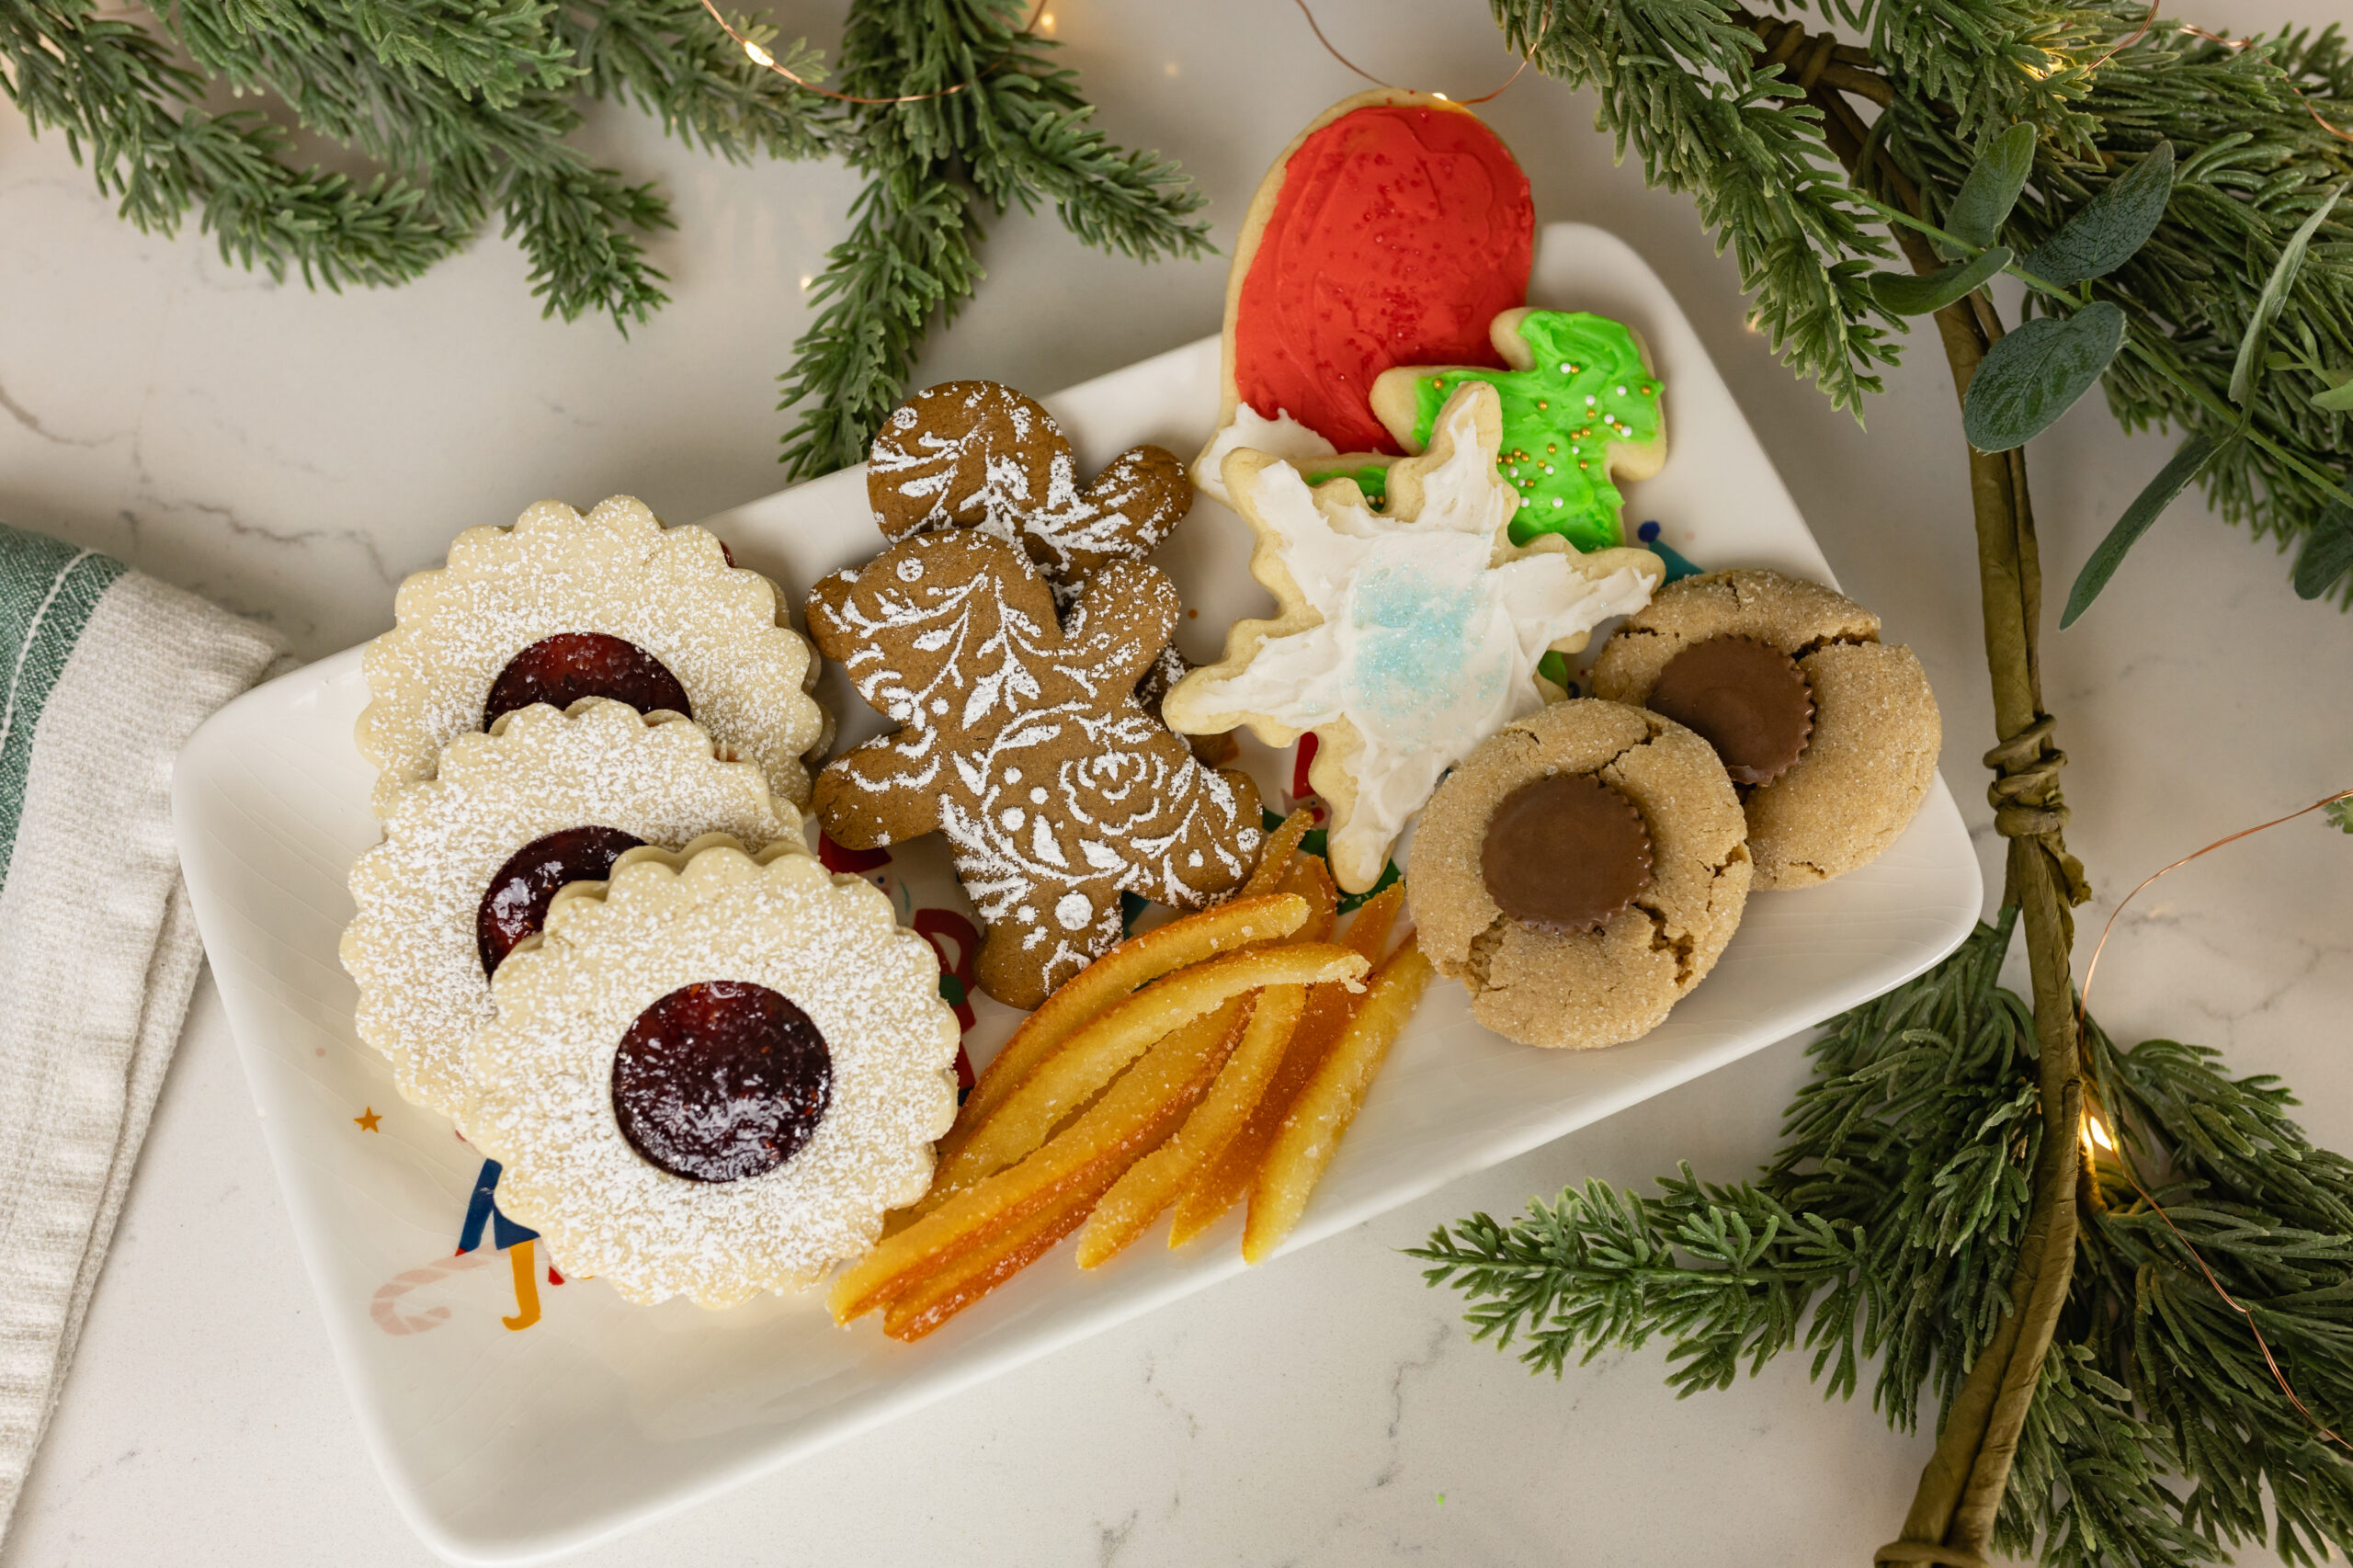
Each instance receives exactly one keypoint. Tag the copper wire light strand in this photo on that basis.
(766, 62)
(1543, 26)
(2124, 1159)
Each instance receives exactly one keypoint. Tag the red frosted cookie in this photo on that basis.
(1390, 232)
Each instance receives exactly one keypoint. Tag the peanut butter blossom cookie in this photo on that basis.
(1831, 735)
(1580, 873)
(1405, 638)
(472, 859)
(1580, 410)
(562, 606)
(713, 1073)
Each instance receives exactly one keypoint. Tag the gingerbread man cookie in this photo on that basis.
(978, 455)
(1021, 740)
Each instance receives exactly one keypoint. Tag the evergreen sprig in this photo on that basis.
(1011, 129)
(466, 110)
(1686, 86)
(1680, 84)
(1886, 1225)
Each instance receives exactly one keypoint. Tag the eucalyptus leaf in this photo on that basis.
(2338, 399)
(2156, 496)
(2112, 225)
(1992, 188)
(2327, 553)
(2036, 373)
(2274, 295)
(1909, 294)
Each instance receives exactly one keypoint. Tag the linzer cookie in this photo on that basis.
(978, 455)
(1391, 230)
(1403, 638)
(712, 1073)
(1831, 733)
(1021, 740)
(1581, 409)
(562, 606)
(470, 860)
(1580, 873)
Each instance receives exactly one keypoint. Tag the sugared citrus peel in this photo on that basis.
(1127, 1098)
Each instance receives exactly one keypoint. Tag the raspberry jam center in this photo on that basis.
(561, 669)
(514, 905)
(721, 1081)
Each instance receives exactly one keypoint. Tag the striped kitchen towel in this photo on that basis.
(107, 673)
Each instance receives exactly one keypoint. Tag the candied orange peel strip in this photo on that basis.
(1088, 1061)
(1311, 1133)
(1311, 879)
(1274, 858)
(1128, 1120)
(1153, 1183)
(1219, 1183)
(1105, 982)
(946, 1291)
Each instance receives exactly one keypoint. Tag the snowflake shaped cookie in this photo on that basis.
(1022, 742)
(1405, 638)
(980, 455)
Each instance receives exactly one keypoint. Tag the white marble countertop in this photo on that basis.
(292, 455)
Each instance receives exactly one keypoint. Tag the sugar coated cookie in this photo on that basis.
(978, 455)
(1391, 232)
(562, 606)
(1580, 873)
(713, 1073)
(1581, 408)
(1022, 741)
(1406, 637)
(1831, 774)
(472, 858)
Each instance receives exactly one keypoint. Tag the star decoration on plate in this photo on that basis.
(1405, 638)
(367, 1119)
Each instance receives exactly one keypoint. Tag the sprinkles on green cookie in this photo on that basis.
(1579, 402)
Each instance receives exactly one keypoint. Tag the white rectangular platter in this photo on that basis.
(509, 1444)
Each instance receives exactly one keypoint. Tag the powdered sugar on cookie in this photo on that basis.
(619, 573)
(413, 945)
(543, 1072)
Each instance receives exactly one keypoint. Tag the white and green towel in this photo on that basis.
(107, 673)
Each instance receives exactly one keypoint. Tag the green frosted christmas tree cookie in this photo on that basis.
(1581, 411)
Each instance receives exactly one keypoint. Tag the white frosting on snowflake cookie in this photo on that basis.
(669, 594)
(824, 948)
(1407, 637)
(416, 946)
(1281, 437)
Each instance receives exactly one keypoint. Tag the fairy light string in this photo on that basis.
(2098, 1137)
(760, 56)
(1543, 26)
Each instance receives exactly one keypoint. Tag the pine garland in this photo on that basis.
(1885, 1229)
(1014, 131)
(465, 109)
(2099, 1399)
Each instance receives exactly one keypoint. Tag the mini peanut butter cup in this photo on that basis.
(1746, 698)
(1565, 853)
